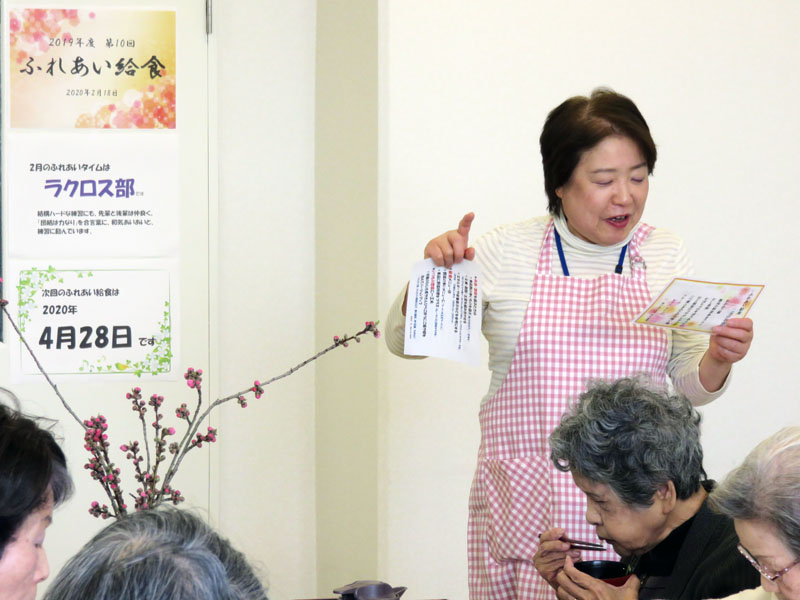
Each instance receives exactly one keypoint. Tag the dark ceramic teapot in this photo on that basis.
(369, 590)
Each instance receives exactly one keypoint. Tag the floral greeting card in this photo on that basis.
(699, 305)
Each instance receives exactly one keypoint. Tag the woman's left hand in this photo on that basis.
(729, 343)
(575, 585)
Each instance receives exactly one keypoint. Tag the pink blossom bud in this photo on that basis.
(172, 431)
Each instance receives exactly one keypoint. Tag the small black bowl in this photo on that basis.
(610, 571)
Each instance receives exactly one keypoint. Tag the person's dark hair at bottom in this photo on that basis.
(32, 468)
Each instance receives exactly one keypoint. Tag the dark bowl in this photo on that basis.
(610, 571)
(369, 590)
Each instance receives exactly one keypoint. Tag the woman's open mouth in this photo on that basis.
(619, 221)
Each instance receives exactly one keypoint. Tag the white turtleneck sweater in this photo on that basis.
(508, 258)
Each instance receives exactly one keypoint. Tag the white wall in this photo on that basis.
(346, 189)
(465, 89)
(265, 284)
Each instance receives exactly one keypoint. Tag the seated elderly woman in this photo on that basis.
(159, 553)
(635, 452)
(33, 479)
(762, 496)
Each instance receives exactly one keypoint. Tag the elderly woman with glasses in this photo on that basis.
(762, 496)
(635, 451)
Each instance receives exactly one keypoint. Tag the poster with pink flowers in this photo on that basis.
(93, 215)
(91, 68)
(699, 305)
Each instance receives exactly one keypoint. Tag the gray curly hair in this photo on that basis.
(632, 437)
(766, 486)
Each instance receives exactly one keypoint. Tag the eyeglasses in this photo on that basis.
(771, 575)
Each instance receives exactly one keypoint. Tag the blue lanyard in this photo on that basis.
(617, 269)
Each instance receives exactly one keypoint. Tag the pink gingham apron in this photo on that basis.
(574, 330)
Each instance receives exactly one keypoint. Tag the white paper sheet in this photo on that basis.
(443, 314)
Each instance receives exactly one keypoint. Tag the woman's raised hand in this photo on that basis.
(449, 248)
(452, 246)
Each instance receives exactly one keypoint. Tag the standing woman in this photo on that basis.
(560, 293)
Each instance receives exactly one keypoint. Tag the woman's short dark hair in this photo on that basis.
(578, 124)
(31, 464)
(632, 437)
(159, 553)
(766, 487)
